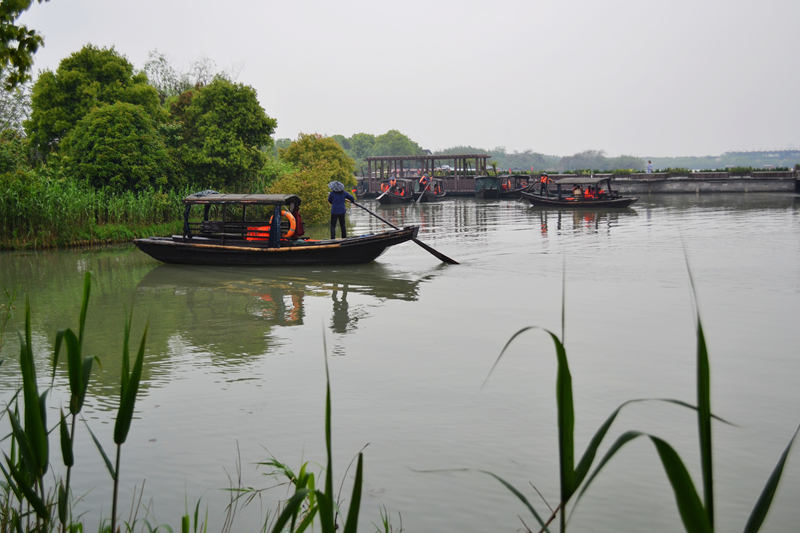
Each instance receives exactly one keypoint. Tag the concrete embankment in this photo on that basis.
(707, 182)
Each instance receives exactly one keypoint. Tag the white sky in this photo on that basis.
(636, 77)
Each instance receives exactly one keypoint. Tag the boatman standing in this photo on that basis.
(337, 198)
(543, 181)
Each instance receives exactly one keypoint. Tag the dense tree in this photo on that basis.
(117, 146)
(225, 133)
(86, 79)
(13, 151)
(15, 104)
(361, 145)
(310, 184)
(171, 82)
(17, 43)
(395, 143)
(310, 149)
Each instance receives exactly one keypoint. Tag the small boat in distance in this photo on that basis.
(487, 187)
(433, 193)
(396, 191)
(260, 230)
(577, 192)
(506, 186)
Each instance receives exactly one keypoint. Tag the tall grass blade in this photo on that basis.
(290, 509)
(694, 515)
(28, 491)
(102, 451)
(129, 391)
(87, 290)
(35, 419)
(351, 525)
(704, 421)
(66, 442)
(759, 513)
(703, 408)
(519, 495)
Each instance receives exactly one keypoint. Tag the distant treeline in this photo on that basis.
(362, 145)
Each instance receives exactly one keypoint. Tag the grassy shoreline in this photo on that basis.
(89, 236)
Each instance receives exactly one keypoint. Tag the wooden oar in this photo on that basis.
(439, 255)
(423, 190)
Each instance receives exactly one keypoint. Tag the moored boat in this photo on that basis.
(511, 186)
(578, 192)
(429, 192)
(487, 187)
(396, 191)
(260, 229)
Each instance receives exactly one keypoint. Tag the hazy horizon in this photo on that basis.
(662, 80)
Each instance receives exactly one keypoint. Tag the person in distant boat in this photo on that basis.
(392, 184)
(589, 194)
(338, 209)
(543, 181)
(577, 192)
(423, 182)
(649, 167)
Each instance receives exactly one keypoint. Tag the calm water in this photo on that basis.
(235, 367)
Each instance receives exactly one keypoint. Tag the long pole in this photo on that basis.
(439, 255)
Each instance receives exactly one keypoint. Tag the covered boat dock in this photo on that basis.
(457, 171)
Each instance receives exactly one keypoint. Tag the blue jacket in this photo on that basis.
(337, 199)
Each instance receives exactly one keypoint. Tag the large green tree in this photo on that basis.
(89, 78)
(117, 146)
(395, 143)
(225, 133)
(311, 149)
(17, 43)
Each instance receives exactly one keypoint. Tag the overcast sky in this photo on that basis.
(635, 77)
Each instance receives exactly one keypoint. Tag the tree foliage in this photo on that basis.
(13, 151)
(171, 82)
(309, 150)
(224, 134)
(117, 146)
(15, 104)
(17, 43)
(86, 79)
(311, 185)
(395, 143)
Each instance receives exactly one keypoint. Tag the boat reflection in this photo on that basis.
(238, 311)
(588, 220)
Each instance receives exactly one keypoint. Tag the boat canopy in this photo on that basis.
(253, 199)
(582, 180)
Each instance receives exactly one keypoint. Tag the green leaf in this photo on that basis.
(108, 462)
(35, 425)
(694, 516)
(66, 442)
(87, 290)
(704, 410)
(63, 504)
(289, 510)
(30, 494)
(759, 512)
(351, 526)
(131, 389)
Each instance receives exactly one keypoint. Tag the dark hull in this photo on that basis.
(507, 195)
(487, 194)
(201, 251)
(391, 198)
(429, 197)
(552, 201)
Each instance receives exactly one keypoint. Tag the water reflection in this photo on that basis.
(582, 220)
(237, 312)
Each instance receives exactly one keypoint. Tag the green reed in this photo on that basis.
(28, 503)
(696, 514)
(42, 208)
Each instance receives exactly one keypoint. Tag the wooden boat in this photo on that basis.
(248, 229)
(487, 187)
(511, 186)
(433, 193)
(566, 195)
(401, 192)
